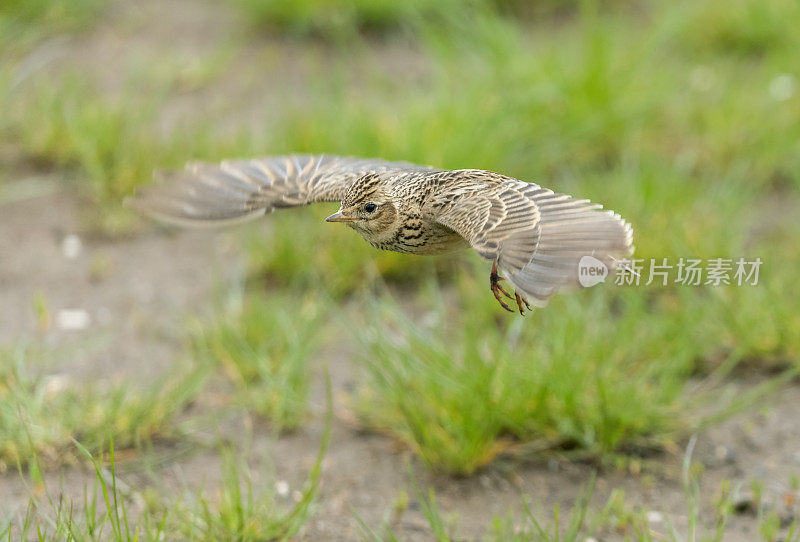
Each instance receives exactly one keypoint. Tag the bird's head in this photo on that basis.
(367, 208)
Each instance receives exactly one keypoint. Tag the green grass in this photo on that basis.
(24, 22)
(55, 14)
(743, 28)
(112, 509)
(337, 20)
(347, 20)
(41, 415)
(338, 263)
(242, 512)
(698, 171)
(108, 145)
(682, 116)
(696, 156)
(701, 158)
(463, 383)
(617, 518)
(265, 345)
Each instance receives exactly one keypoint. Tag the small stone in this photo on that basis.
(73, 319)
(724, 455)
(282, 488)
(71, 246)
(654, 516)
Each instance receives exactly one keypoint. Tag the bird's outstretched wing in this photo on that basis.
(537, 237)
(207, 194)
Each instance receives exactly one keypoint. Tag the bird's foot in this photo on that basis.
(497, 289)
(494, 285)
(520, 301)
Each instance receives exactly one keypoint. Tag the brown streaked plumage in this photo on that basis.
(533, 235)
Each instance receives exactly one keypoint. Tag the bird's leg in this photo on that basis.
(494, 285)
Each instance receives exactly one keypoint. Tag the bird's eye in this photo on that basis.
(370, 207)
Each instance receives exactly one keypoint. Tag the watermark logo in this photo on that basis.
(685, 272)
(591, 271)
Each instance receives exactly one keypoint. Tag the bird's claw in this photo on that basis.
(520, 301)
(497, 289)
(496, 285)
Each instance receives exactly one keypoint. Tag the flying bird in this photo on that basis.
(531, 234)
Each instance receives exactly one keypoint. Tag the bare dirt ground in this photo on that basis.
(138, 310)
(139, 293)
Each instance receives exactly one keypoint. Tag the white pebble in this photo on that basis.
(282, 488)
(654, 516)
(71, 246)
(73, 319)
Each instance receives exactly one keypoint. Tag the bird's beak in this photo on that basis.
(339, 217)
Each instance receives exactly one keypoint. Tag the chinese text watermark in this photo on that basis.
(662, 271)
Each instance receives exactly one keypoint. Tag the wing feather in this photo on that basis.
(538, 237)
(236, 190)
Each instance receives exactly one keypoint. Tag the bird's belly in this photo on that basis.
(424, 245)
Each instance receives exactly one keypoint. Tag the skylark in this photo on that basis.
(533, 235)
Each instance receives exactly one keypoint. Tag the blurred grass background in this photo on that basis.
(682, 116)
